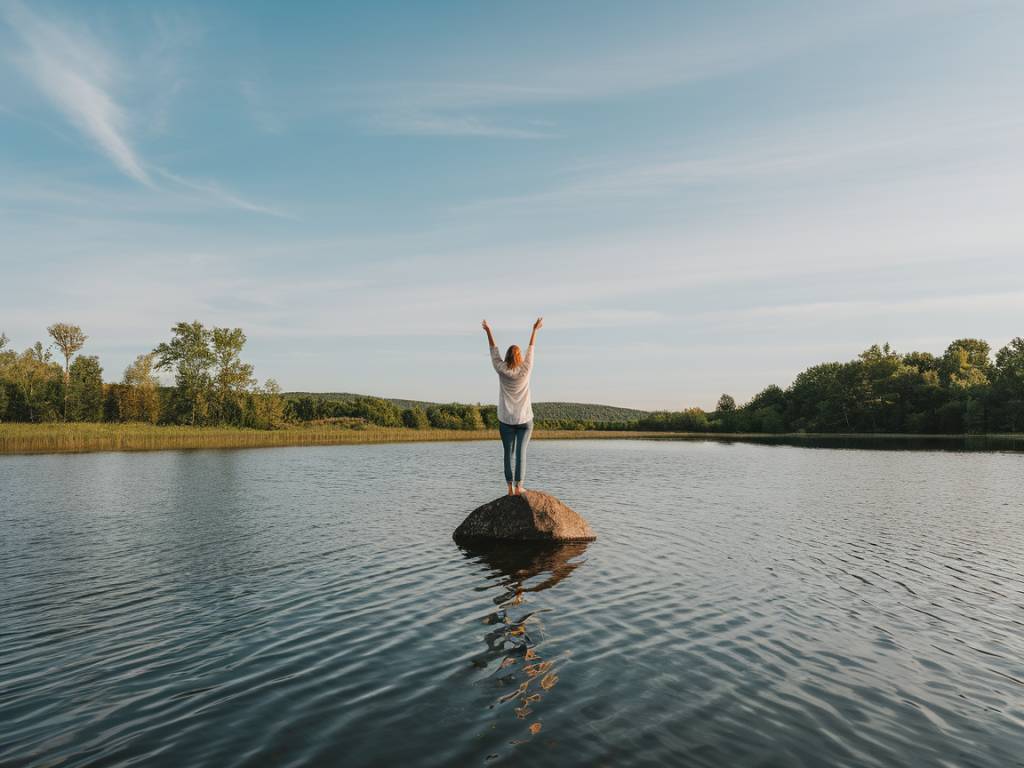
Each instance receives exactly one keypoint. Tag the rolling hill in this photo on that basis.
(549, 411)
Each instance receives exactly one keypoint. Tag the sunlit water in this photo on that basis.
(743, 605)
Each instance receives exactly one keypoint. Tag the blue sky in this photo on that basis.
(698, 197)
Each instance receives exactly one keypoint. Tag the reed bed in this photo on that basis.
(81, 438)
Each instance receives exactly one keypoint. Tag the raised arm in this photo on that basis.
(490, 336)
(536, 327)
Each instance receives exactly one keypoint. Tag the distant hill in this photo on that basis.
(541, 411)
(585, 412)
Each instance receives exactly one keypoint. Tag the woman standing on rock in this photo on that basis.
(515, 412)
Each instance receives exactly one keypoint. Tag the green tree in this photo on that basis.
(489, 414)
(415, 418)
(138, 397)
(452, 416)
(692, 420)
(815, 401)
(83, 399)
(69, 340)
(768, 419)
(887, 381)
(265, 408)
(1010, 364)
(1009, 385)
(923, 361)
(232, 378)
(190, 355)
(766, 409)
(304, 408)
(471, 418)
(375, 410)
(975, 416)
(727, 415)
(966, 363)
(36, 385)
(6, 356)
(726, 404)
(442, 418)
(950, 417)
(689, 420)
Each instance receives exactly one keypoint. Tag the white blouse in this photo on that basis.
(514, 406)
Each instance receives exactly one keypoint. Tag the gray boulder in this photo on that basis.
(531, 516)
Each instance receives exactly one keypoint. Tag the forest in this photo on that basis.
(965, 390)
(962, 391)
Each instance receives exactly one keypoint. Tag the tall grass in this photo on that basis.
(73, 438)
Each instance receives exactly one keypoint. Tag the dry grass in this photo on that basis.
(71, 438)
(80, 438)
(76, 438)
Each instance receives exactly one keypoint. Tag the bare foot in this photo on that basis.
(511, 492)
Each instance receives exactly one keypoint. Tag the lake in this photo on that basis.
(744, 605)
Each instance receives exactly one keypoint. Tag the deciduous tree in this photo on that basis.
(83, 400)
(1009, 385)
(6, 356)
(415, 418)
(69, 340)
(36, 383)
(966, 364)
(726, 403)
(190, 355)
(138, 399)
(232, 378)
(264, 408)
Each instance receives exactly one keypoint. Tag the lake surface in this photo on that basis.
(744, 605)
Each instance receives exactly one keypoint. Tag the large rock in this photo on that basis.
(531, 516)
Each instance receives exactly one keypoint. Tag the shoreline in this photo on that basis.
(28, 439)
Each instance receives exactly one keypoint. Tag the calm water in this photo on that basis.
(744, 605)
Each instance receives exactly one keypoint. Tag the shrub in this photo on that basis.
(415, 418)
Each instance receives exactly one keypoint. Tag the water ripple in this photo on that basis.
(744, 605)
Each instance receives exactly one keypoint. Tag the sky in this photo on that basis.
(698, 197)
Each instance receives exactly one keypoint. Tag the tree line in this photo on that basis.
(375, 410)
(967, 389)
(212, 384)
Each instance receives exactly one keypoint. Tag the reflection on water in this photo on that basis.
(744, 605)
(957, 443)
(521, 674)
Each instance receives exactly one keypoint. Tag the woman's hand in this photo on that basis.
(536, 327)
(487, 330)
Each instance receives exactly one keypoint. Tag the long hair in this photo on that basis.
(514, 357)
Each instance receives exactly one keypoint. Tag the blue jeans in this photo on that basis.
(515, 437)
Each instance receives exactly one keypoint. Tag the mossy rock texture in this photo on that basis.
(531, 516)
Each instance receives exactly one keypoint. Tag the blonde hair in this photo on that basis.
(514, 357)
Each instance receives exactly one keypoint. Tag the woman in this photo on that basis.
(515, 412)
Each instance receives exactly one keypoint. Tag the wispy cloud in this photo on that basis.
(492, 99)
(76, 75)
(871, 146)
(448, 108)
(213, 191)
